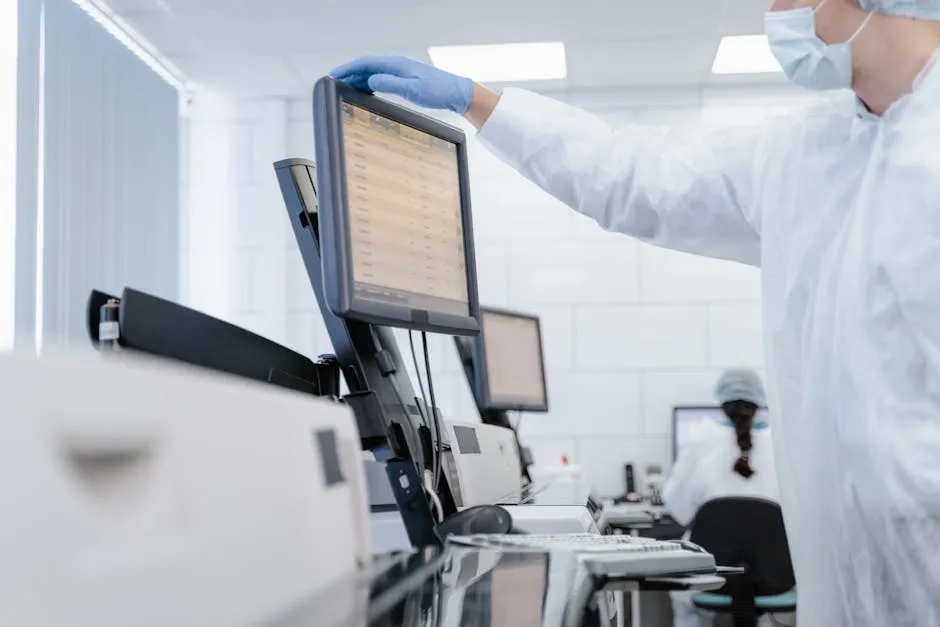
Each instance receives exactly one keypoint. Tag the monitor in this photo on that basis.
(509, 362)
(397, 234)
(687, 422)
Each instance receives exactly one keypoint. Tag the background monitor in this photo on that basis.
(687, 422)
(509, 362)
(396, 229)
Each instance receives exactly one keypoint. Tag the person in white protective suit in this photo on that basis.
(733, 457)
(839, 206)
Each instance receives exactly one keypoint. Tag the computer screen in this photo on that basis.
(510, 363)
(404, 214)
(394, 213)
(517, 592)
(688, 422)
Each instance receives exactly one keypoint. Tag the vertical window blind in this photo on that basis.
(8, 43)
(102, 159)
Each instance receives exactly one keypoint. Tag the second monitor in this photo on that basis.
(505, 369)
(508, 364)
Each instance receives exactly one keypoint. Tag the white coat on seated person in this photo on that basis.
(734, 457)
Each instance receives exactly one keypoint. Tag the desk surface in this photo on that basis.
(629, 514)
(465, 587)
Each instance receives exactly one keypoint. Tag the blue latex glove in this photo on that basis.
(416, 82)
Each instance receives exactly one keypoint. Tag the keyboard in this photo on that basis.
(612, 556)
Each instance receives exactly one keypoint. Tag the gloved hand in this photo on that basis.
(416, 82)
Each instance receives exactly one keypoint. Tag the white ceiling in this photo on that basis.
(280, 47)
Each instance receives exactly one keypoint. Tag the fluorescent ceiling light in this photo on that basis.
(503, 62)
(102, 13)
(745, 54)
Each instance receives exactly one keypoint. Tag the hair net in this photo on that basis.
(740, 385)
(923, 9)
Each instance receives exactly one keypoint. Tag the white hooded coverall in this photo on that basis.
(841, 211)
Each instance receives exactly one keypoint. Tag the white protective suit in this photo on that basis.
(841, 211)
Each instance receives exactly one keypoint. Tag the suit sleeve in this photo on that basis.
(693, 196)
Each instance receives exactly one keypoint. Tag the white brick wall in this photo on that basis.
(630, 330)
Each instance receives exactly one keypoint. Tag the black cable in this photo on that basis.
(414, 360)
(518, 422)
(437, 421)
(423, 409)
(388, 368)
(777, 623)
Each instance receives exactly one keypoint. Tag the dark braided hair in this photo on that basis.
(741, 414)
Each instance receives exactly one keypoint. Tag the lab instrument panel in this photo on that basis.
(147, 492)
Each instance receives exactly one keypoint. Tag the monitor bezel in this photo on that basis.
(481, 376)
(329, 96)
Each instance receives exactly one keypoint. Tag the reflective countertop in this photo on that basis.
(462, 588)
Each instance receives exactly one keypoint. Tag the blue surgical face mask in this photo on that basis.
(806, 59)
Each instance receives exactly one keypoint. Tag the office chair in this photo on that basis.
(748, 533)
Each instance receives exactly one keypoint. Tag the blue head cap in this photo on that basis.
(740, 385)
(921, 9)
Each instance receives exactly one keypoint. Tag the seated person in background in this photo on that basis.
(734, 457)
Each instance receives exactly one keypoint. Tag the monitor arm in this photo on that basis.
(387, 410)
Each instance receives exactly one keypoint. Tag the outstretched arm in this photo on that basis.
(693, 196)
(481, 106)
(690, 196)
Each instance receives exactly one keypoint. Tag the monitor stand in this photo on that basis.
(497, 418)
(374, 371)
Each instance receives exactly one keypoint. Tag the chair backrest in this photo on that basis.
(746, 532)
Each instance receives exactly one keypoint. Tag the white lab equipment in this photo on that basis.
(484, 467)
(141, 493)
(483, 464)
(839, 208)
(553, 519)
(563, 483)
